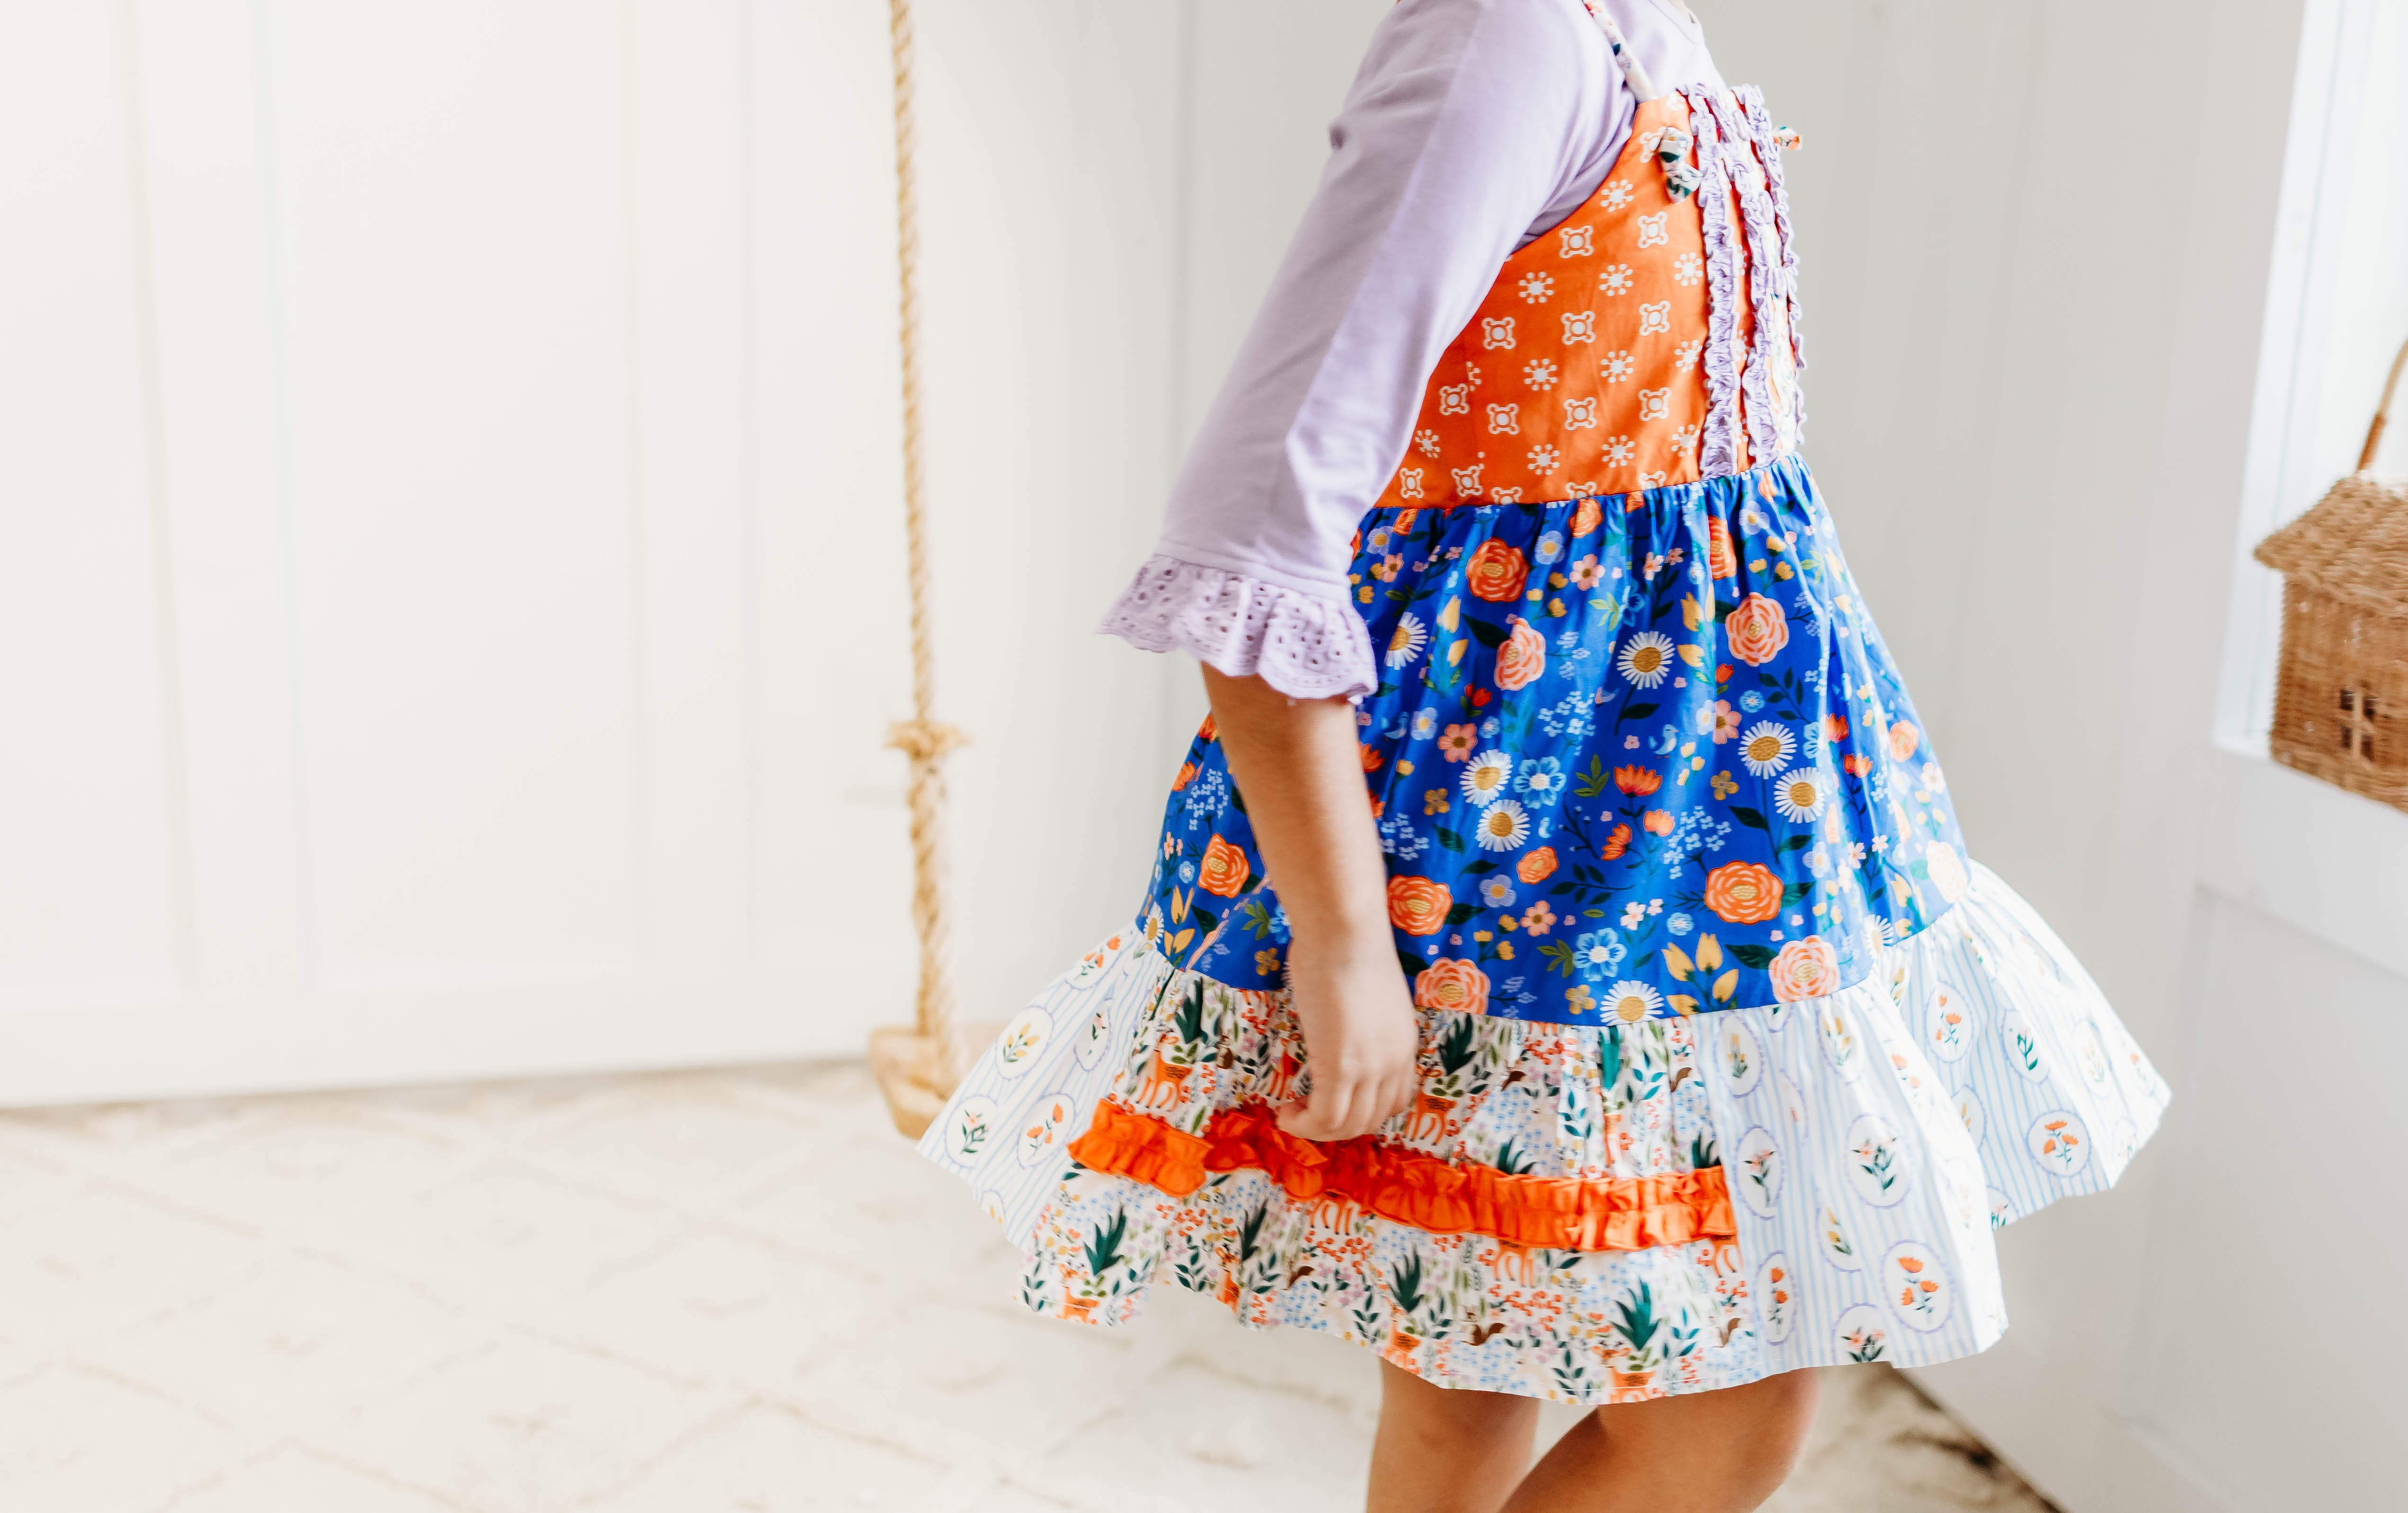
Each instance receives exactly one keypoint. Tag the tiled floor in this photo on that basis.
(664, 1294)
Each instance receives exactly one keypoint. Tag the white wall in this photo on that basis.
(451, 594)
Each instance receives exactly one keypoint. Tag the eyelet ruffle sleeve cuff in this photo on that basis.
(1302, 644)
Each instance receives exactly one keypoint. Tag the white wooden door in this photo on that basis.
(450, 591)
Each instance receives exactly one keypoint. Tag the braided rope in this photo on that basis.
(923, 738)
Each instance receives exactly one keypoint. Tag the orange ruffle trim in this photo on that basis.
(1558, 1213)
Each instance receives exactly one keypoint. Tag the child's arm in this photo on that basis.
(1298, 764)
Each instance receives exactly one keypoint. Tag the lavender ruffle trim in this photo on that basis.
(1718, 450)
(1303, 645)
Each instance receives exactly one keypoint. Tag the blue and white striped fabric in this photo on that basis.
(1036, 1088)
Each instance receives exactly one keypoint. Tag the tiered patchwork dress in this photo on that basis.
(1730, 1059)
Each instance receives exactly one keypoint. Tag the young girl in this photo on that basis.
(1647, 1035)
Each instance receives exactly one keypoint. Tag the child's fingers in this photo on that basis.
(1309, 1117)
(1332, 1112)
(1346, 1116)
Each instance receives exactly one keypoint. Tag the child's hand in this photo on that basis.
(1302, 773)
(1360, 1039)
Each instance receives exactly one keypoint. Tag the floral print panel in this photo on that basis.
(1386, 1263)
(1631, 758)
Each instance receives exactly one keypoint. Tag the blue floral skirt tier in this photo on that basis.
(1731, 1060)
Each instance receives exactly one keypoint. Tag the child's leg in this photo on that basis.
(1445, 1450)
(1710, 1452)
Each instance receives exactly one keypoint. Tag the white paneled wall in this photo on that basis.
(451, 585)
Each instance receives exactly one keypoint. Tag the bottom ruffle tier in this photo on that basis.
(1587, 1212)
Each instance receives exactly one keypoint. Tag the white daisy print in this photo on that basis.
(1502, 826)
(1767, 747)
(1454, 398)
(1631, 1002)
(1688, 269)
(1615, 195)
(1653, 232)
(1646, 658)
(1427, 439)
(1656, 317)
(1686, 353)
(1618, 449)
(1467, 480)
(1538, 286)
(1406, 644)
(1487, 779)
(1538, 372)
(1579, 325)
(1616, 367)
(1497, 331)
(1579, 415)
(1505, 420)
(1799, 795)
(1543, 460)
(1408, 483)
(1615, 280)
(1576, 241)
(1654, 404)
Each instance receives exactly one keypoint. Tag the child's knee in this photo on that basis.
(1451, 1411)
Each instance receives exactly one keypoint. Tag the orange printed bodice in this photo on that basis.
(1587, 368)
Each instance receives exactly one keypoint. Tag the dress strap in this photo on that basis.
(1632, 70)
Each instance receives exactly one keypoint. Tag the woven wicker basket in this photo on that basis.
(2341, 695)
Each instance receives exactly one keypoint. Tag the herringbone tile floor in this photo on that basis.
(678, 1293)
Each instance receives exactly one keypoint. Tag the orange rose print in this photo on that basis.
(1721, 560)
(1743, 892)
(1522, 657)
(1211, 727)
(1903, 739)
(1224, 870)
(1638, 779)
(1757, 630)
(1495, 572)
(1187, 775)
(1417, 905)
(1616, 843)
(1657, 822)
(1452, 984)
(1804, 969)
(1586, 518)
(1535, 866)
(1836, 727)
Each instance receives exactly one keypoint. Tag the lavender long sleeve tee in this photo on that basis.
(1472, 126)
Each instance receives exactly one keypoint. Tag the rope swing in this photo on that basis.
(917, 1068)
